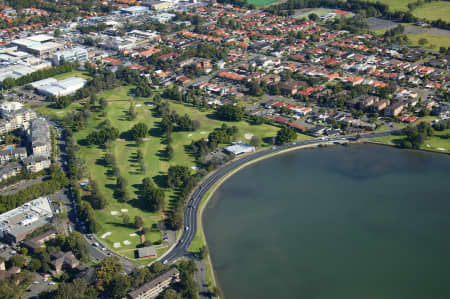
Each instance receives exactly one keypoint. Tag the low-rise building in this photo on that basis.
(71, 55)
(394, 109)
(9, 170)
(146, 252)
(39, 137)
(63, 87)
(16, 119)
(36, 163)
(16, 224)
(156, 286)
(13, 153)
(239, 148)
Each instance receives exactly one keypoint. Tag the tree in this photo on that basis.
(119, 286)
(131, 111)
(35, 265)
(125, 219)
(423, 41)
(255, 141)
(177, 175)
(103, 103)
(171, 294)
(285, 135)
(203, 252)
(230, 112)
(313, 17)
(169, 152)
(93, 100)
(139, 130)
(138, 222)
(108, 268)
(17, 261)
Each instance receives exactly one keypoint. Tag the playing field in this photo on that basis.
(261, 2)
(433, 41)
(396, 4)
(434, 11)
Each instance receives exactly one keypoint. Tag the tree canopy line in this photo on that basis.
(201, 148)
(39, 75)
(364, 8)
(416, 135)
(56, 181)
(105, 134)
(113, 283)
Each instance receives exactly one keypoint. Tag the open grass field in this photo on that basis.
(434, 41)
(440, 142)
(121, 238)
(261, 2)
(394, 5)
(433, 11)
(81, 74)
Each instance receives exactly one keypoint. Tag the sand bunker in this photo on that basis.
(203, 132)
(126, 242)
(190, 135)
(248, 136)
(138, 105)
(124, 210)
(441, 148)
(107, 234)
(116, 245)
(133, 235)
(114, 213)
(194, 167)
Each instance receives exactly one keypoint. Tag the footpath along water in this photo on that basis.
(361, 221)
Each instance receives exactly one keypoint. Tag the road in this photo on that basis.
(66, 196)
(190, 214)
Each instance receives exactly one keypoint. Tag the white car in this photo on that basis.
(51, 283)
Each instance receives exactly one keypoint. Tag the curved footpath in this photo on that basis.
(191, 213)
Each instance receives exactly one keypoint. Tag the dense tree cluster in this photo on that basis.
(38, 75)
(415, 135)
(139, 131)
(285, 135)
(102, 136)
(152, 197)
(57, 181)
(230, 112)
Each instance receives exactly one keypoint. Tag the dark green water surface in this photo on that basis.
(356, 222)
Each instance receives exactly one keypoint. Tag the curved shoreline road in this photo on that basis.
(190, 214)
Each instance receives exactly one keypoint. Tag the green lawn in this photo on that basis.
(434, 41)
(125, 151)
(433, 11)
(261, 2)
(396, 4)
(439, 142)
(75, 73)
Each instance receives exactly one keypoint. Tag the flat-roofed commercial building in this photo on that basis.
(71, 55)
(62, 87)
(15, 71)
(16, 224)
(156, 286)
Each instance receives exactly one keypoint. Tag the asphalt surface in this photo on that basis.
(190, 214)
